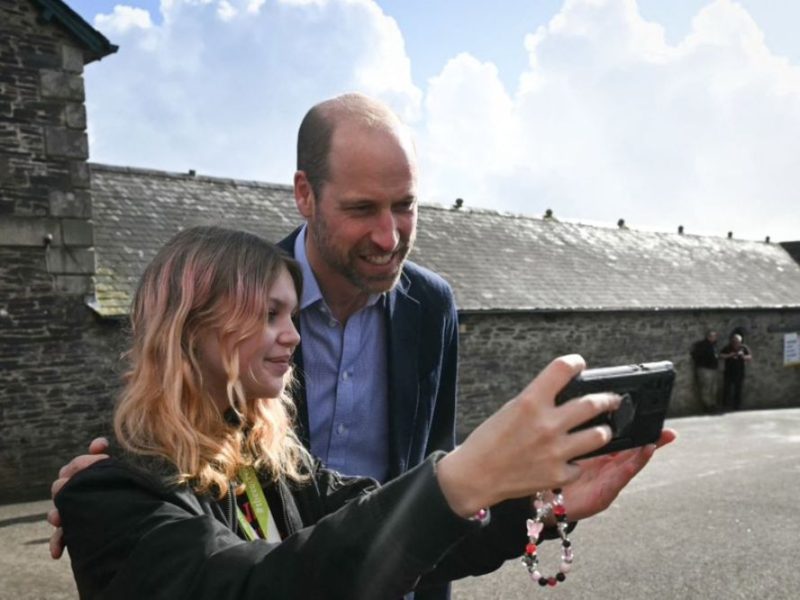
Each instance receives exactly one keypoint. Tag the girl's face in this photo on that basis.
(264, 357)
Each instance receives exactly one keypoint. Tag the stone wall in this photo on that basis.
(500, 353)
(50, 387)
(63, 401)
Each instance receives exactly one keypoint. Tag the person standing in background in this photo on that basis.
(706, 370)
(735, 354)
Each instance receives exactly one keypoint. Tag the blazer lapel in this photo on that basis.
(298, 393)
(402, 320)
(298, 390)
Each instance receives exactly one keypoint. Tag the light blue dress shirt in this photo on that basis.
(346, 380)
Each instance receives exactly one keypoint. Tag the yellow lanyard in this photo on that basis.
(258, 503)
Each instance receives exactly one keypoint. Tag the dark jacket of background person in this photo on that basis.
(705, 354)
(735, 365)
(736, 354)
(131, 534)
(706, 369)
(422, 340)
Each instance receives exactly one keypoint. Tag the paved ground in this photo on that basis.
(713, 516)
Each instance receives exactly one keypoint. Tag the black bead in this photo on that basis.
(543, 581)
(557, 491)
(560, 576)
(566, 543)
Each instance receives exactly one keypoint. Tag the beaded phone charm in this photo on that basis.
(535, 526)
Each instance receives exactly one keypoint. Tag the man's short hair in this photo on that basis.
(314, 146)
(315, 136)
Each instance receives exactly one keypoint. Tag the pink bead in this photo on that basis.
(536, 576)
(566, 567)
(534, 528)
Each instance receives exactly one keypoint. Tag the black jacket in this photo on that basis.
(132, 534)
(705, 355)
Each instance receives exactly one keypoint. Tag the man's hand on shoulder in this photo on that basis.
(97, 452)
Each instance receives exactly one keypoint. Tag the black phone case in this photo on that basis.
(646, 390)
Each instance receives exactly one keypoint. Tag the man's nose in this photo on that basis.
(385, 234)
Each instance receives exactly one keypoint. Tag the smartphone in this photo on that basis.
(646, 390)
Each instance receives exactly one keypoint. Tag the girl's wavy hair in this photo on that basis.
(206, 279)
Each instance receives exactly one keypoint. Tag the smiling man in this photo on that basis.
(359, 199)
(379, 333)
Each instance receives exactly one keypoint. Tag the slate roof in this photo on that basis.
(494, 261)
(136, 210)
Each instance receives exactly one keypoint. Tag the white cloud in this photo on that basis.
(122, 19)
(226, 11)
(470, 131)
(221, 86)
(611, 121)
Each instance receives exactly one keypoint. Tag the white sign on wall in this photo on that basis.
(791, 350)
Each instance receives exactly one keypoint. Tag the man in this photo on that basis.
(379, 346)
(706, 370)
(378, 358)
(736, 354)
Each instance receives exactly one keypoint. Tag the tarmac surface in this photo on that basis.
(712, 516)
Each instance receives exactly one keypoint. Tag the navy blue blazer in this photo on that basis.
(422, 335)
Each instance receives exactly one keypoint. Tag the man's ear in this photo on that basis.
(303, 195)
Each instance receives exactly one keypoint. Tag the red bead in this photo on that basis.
(551, 581)
(559, 510)
(530, 549)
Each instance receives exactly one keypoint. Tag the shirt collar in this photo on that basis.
(311, 292)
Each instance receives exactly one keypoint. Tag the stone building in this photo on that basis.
(527, 289)
(74, 238)
(49, 391)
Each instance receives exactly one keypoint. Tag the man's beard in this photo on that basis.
(346, 266)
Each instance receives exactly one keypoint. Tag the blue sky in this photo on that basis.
(664, 112)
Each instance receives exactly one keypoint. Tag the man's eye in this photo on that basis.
(404, 206)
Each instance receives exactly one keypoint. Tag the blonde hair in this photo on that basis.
(206, 279)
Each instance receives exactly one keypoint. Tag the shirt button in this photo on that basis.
(341, 429)
(331, 323)
(345, 376)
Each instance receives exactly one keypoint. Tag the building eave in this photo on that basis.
(95, 44)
